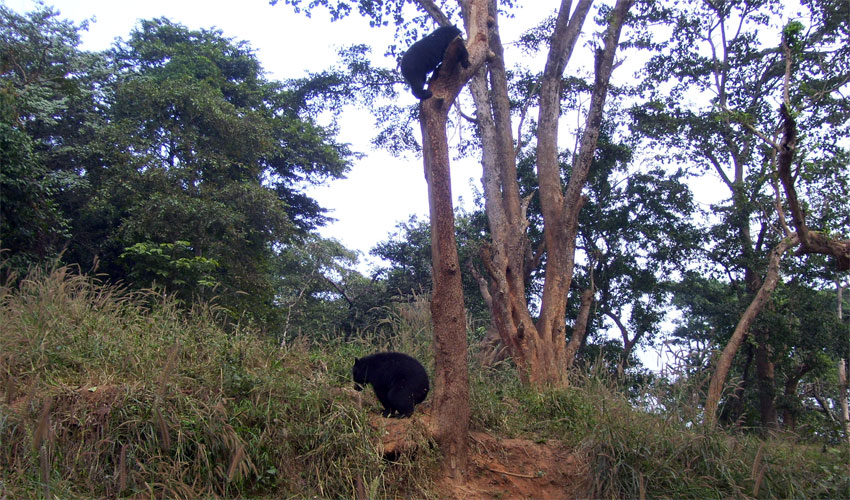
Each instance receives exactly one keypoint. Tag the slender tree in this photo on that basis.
(451, 385)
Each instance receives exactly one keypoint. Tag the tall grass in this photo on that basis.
(109, 393)
(635, 453)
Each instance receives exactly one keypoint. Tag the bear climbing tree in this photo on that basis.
(425, 56)
(451, 379)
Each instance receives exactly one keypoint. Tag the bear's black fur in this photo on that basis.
(399, 381)
(425, 55)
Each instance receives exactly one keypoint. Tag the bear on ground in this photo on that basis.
(425, 55)
(399, 381)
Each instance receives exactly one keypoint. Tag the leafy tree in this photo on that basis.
(46, 106)
(407, 252)
(318, 289)
(710, 89)
(172, 159)
(200, 148)
(637, 234)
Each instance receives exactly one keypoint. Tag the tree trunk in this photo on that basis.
(538, 349)
(766, 382)
(842, 371)
(724, 361)
(451, 378)
(734, 408)
(792, 401)
(842, 397)
(628, 343)
(580, 327)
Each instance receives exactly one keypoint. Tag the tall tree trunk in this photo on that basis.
(538, 348)
(451, 378)
(724, 361)
(842, 397)
(505, 258)
(580, 327)
(766, 381)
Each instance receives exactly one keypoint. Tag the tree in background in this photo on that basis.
(173, 160)
(710, 99)
(638, 235)
(47, 110)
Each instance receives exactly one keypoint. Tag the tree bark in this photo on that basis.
(504, 258)
(451, 378)
(766, 382)
(538, 348)
(842, 398)
(580, 327)
(724, 361)
(810, 242)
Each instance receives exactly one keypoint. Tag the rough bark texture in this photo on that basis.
(451, 379)
(505, 258)
(538, 348)
(724, 362)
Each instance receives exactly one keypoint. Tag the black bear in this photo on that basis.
(399, 381)
(425, 55)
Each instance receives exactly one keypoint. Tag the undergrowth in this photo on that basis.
(107, 393)
(640, 454)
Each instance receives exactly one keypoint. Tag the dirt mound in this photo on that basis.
(498, 468)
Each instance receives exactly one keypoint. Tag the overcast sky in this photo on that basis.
(380, 190)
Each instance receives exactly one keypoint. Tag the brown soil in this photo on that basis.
(499, 468)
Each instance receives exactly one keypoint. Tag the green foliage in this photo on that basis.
(319, 291)
(791, 34)
(32, 226)
(168, 158)
(169, 264)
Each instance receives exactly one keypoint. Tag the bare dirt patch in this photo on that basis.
(499, 468)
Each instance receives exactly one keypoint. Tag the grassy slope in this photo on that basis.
(105, 393)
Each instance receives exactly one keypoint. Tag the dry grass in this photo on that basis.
(108, 393)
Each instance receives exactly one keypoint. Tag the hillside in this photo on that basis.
(110, 394)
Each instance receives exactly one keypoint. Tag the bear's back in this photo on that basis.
(389, 368)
